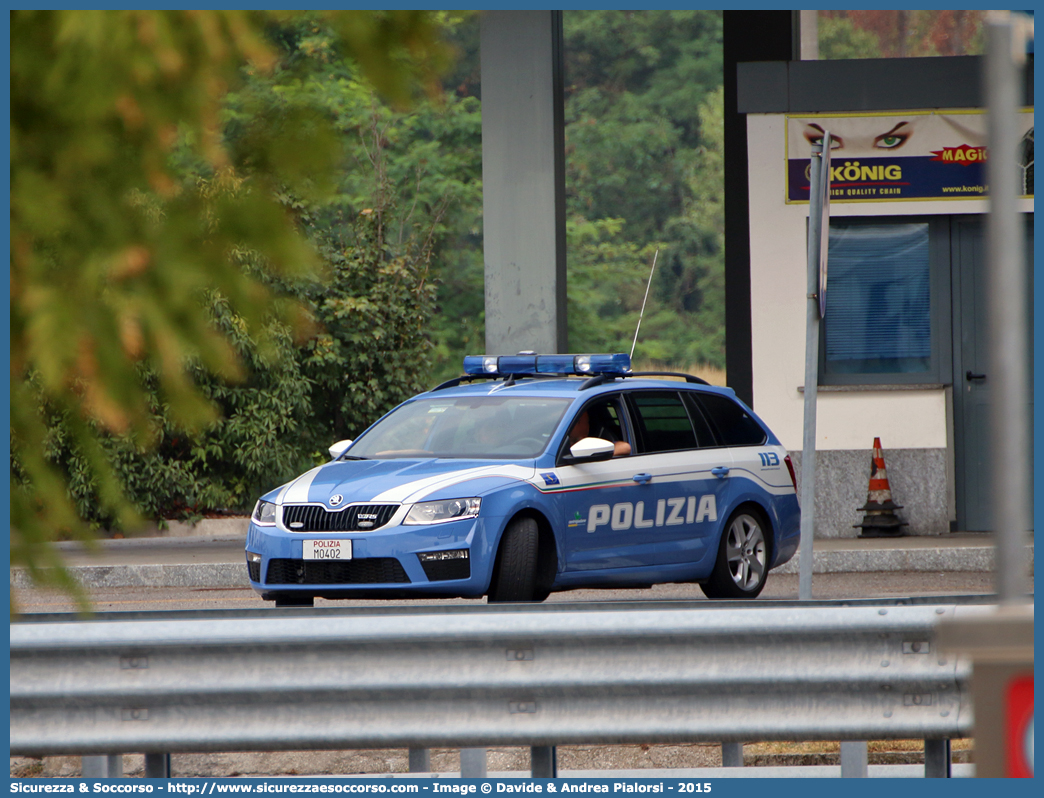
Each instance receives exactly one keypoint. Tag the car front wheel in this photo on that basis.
(742, 564)
(515, 571)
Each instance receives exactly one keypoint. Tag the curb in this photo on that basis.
(204, 527)
(110, 576)
(960, 559)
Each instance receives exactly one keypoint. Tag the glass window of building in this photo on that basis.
(883, 321)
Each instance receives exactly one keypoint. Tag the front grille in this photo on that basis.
(366, 571)
(356, 518)
(441, 570)
(254, 571)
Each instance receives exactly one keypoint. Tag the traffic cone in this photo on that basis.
(880, 520)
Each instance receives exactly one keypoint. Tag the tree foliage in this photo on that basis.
(635, 82)
(406, 190)
(644, 171)
(900, 34)
(233, 241)
(114, 251)
(683, 322)
(639, 162)
(839, 38)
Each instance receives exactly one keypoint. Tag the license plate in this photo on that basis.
(327, 549)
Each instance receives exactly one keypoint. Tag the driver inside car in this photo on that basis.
(603, 428)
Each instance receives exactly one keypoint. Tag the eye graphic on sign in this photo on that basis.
(861, 140)
(894, 138)
(814, 135)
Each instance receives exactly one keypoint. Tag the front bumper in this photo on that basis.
(384, 563)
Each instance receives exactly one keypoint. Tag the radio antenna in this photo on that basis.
(647, 286)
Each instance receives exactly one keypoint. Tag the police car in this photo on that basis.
(532, 474)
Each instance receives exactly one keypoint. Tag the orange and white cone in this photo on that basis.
(880, 519)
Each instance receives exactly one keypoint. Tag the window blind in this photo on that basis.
(878, 297)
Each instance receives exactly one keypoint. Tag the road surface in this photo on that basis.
(883, 584)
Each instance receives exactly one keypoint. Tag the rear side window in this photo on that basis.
(662, 422)
(705, 436)
(734, 425)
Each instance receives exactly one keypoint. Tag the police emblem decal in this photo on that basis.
(550, 479)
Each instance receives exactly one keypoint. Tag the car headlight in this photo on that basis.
(264, 514)
(440, 512)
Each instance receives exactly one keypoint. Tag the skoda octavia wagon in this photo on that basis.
(532, 474)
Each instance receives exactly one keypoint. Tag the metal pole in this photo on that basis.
(937, 759)
(854, 760)
(157, 766)
(1009, 389)
(808, 448)
(732, 755)
(420, 760)
(473, 763)
(105, 766)
(543, 762)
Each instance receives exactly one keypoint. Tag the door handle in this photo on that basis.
(642, 479)
(970, 376)
(720, 471)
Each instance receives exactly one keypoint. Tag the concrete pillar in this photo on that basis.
(523, 181)
(808, 35)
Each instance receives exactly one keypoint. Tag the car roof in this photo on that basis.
(567, 387)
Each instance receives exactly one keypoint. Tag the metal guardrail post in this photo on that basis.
(732, 755)
(543, 762)
(420, 760)
(937, 759)
(157, 766)
(854, 760)
(473, 763)
(106, 766)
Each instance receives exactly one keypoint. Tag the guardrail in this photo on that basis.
(535, 676)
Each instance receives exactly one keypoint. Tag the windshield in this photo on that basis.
(499, 427)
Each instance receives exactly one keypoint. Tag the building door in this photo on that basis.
(971, 368)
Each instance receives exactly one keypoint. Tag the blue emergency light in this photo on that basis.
(528, 363)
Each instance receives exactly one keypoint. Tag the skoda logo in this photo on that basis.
(336, 499)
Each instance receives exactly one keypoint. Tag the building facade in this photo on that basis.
(903, 343)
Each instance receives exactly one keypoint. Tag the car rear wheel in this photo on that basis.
(515, 571)
(742, 565)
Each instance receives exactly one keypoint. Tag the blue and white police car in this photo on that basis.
(532, 474)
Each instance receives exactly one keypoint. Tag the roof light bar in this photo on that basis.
(584, 365)
(603, 364)
(517, 364)
(480, 364)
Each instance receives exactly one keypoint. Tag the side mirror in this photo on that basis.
(591, 450)
(338, 449)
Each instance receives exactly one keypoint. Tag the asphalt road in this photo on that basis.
(884, 584)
